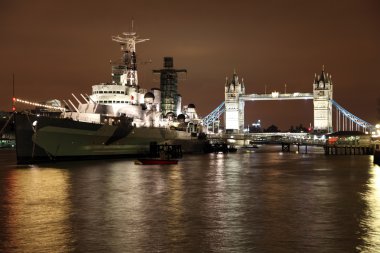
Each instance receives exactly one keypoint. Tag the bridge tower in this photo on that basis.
(234, 117)
(323, 95)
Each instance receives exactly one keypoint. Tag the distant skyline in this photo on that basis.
(56, 48)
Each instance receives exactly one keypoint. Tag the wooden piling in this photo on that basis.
(347, 150)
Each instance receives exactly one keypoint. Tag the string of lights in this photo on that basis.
(18, 100)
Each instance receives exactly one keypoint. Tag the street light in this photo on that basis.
(376, 131)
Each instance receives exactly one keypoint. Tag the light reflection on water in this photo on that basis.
(261, 202)
(371, 223)
(38, 210)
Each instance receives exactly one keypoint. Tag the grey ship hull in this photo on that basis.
(55, 139)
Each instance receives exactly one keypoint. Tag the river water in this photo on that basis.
(244, 202)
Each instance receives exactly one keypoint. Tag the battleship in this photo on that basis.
(118, 119)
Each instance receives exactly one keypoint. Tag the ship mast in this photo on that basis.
(128, 41)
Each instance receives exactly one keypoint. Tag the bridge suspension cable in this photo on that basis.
(352, 119)
(214, 115)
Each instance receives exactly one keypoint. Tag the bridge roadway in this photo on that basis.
(277, 96)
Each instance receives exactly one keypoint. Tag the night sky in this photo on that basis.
(56, 48)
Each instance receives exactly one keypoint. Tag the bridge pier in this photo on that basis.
(285, 147)
(298, 147)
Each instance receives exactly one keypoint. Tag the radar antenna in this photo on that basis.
(128, 41)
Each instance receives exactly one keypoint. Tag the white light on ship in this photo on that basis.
(34, 123)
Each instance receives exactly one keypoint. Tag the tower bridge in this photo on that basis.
(233, 107)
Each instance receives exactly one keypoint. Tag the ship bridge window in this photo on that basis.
(109, 101)
(100, 91)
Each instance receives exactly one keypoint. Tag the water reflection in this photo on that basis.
(176, 232)
(248, 202)
(371, 222)
(38, 211)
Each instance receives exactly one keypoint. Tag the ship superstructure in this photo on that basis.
(123, 96)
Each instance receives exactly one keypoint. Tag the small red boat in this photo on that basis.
(148, 161)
